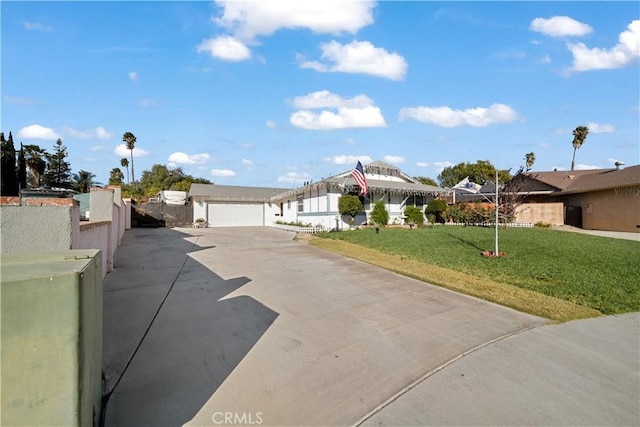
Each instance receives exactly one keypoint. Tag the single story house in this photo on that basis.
(314, 203)
(597, 199)
(317, 203)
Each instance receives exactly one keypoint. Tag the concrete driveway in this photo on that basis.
(245, 326)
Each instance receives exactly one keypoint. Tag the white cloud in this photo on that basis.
(560, 26)
(226, 48)
(271, 124)
(248, 163)
(348, 160)
(582, 166)
(225, 173)
(294, 177)
(37, 132)
(422, 164)
(97, 133)
(350, 141)
(122, 151)
(448, 117)
(345, 118)
(180, 158)
(19, 100)
(133, 76)
(624, 53)
(357, 112)
(545, 59)
(600, 128)
(394, 159)
(358, 58)
(148, 102)
(247, 20)
(326, 99)
(37, 26)
(441, 165)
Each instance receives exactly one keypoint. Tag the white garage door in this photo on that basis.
(235, 214)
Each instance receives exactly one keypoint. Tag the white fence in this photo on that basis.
(492, 224)
(309, 230)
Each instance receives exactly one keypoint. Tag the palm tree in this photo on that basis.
(36, 165)
(130, 139)
(116, 176)
(125, 164)
(579, 135)
(529, 159)
(83, 181)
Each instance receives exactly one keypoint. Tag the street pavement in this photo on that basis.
(246, 326)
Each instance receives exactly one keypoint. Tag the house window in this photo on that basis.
(300, 204)
(288, 204)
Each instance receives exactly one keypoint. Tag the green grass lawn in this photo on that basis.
(590, 271)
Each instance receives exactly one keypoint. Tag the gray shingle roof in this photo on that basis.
(233, 192)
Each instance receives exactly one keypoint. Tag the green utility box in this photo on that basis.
(51, 334)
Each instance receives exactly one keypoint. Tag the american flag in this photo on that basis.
(358, 175)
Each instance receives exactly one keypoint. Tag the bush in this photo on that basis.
(379, 214)
(414, 215)
(437, 207)
(542, 224)
(469, 213)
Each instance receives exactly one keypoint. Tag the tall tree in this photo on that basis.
(22, 169)
(83, 181)
(480, 172)
(9, 177)
(125, 164)
(116, 176)
(529, 160)
(426, 180)
(36, 165)
(58, 168)
(579, 136)
(130, 140)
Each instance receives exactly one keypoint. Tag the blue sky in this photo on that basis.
(275, 93)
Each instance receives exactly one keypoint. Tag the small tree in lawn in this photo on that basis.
(379, 214)
(350, 204)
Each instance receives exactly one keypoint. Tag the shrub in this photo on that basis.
(542, 224)
(349, 204)
(379, 214)
(414, 215)
(469, 213)
(437, 207)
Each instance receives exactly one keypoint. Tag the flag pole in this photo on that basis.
(496, 203)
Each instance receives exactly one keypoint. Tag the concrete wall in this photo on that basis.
(51, 360)
(53, 224)
(37, 224)
(549, 213)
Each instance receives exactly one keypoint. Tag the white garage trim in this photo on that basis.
(235, 214)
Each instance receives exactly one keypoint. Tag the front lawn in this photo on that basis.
(586, 271)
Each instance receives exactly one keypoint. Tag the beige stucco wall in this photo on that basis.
(612, 210)
(549, 213)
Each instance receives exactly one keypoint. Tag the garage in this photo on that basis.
(235, 214)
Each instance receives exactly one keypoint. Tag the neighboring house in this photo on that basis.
(230, 205)
(314, 203)
(599, 199)
(317, 203)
